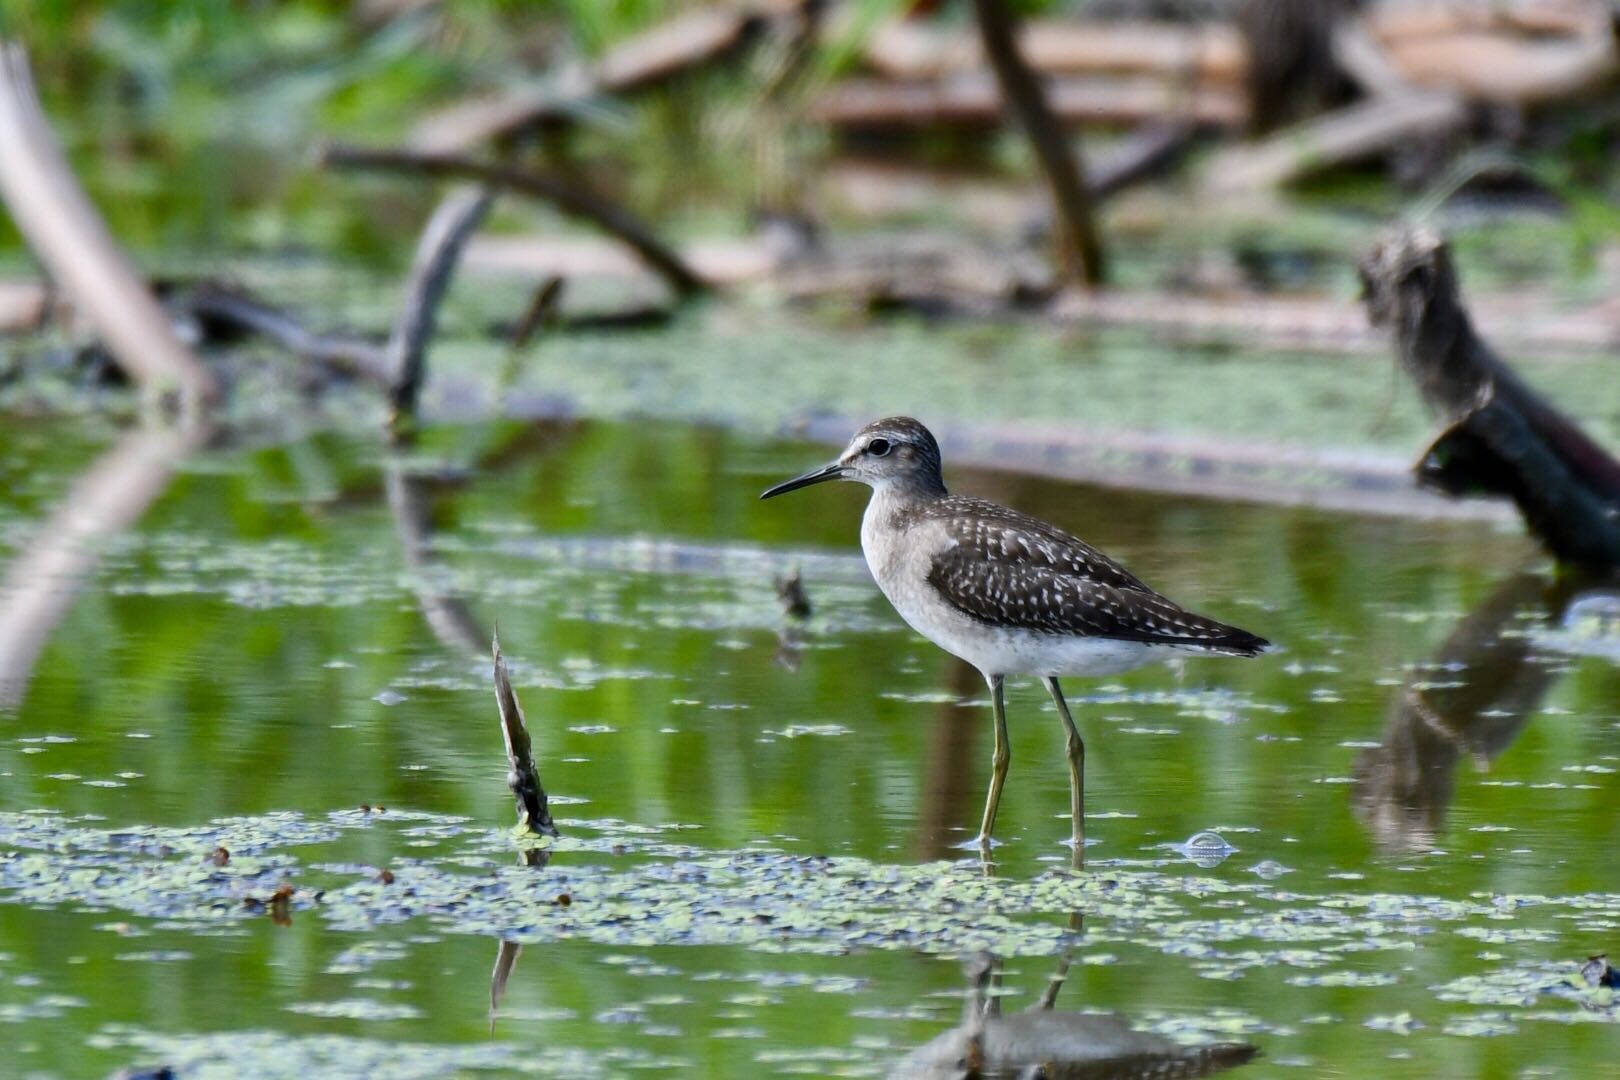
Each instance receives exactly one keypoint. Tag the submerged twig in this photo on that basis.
(437, 253)
(71, 239)
(1082, 247)
(540, 311)
(522, 777)
(567, 197)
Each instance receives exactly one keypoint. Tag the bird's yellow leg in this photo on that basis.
(998, 761)
(1077, 772)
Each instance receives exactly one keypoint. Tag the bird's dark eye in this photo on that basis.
(878, 448)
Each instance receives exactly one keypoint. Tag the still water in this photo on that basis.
(1418, 788)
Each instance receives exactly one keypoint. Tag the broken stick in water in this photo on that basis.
(522, 777)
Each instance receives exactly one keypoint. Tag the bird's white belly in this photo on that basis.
(1003, 651)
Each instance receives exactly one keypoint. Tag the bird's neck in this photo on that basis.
(897, 499)
(913, 488)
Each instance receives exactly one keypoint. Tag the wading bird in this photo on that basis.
(1006, 592)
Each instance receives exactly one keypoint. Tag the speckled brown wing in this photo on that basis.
(1009, 570)
(995, 533)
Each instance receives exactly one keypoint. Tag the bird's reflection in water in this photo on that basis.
(1042, 1041)
(1471, 699)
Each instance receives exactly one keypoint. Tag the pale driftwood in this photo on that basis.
(1439, 18)
(1508, 69)
(437, 252)
(1366, 60)
(917, 50)
(1345, 135)
(974, 100)
(522, 777)
(24, 306)
(688, 41)
(1502, 437)
(64, 230)
(569, 198)
(1080, 245)
(107, 499)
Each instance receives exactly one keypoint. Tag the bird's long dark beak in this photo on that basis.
(815, 476)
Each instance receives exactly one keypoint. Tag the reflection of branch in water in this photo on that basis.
(447, 614)
(1486, 680)
(1055, 1044)
(506, 958)
(109, 498)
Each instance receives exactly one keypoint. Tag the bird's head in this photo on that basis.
(897, 452)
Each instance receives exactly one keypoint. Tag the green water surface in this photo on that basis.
(761, 822)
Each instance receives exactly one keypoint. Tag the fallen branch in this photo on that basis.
(1502, 437)
(70, 238)
(1440, 18)
(1209, 51)
(684, 43)
(1344, 135)
(522, 777)
(437, 252)
(1081, 252)
(566, 197)
(1510, 69)
(974, 100)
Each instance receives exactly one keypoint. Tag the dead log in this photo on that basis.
(1080, 246)
(1440, 18)
(1508, 68)
(522, 777)
(64, 230)
(975, 101)
(1186, 52)
(437, 252)
(1502, 438)
(685, 43)
(566, 197)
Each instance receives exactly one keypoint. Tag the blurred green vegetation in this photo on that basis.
(194, 125)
